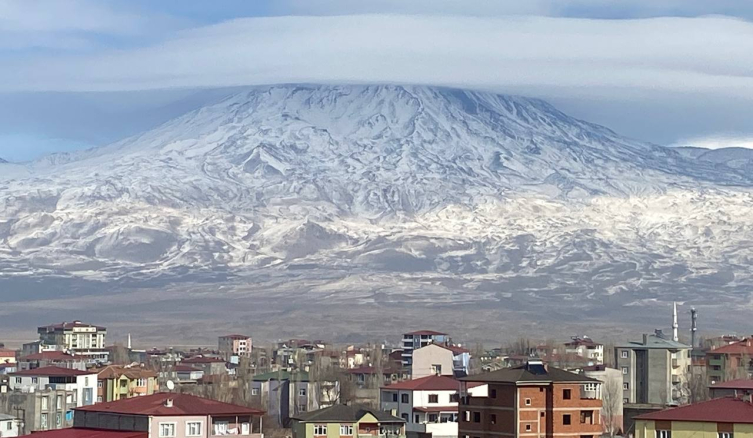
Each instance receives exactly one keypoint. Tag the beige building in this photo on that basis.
(235, 345)
(79, 338)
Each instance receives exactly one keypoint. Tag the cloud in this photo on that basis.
(719, 141)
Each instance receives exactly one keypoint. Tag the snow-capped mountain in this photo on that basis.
(388, 194)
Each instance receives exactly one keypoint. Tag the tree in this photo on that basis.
(695, 388)
(611, 399)
(120, 355)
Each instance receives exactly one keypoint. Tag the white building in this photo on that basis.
(82, 339)
(8, 426)
(586, 348)
(440, 360)
(83, 383)
(415, 340)
(428, 404)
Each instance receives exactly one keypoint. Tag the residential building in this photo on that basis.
(7, 356)
(428, 404)
(117, 381)
(169, 415)
(732, 388)
(210, 365)
(9, 426)
(52, 358)
(731, 361)
(83, 383)
(611, 396)
(654, 370)
(415, 340)
(585, 347)
(340, 421)
(235, 346)
(532, 400)
(188, 374)
(82, 339)
(47, 409)
(366, 381)
(285, 394)
(440, 360)
(718, 418)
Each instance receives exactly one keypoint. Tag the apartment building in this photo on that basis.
(414, 340)
(718, 418)
(77, 337)
(52, 358)
(9, 426)
(116, 381)
(209, 365)
(285, 394)
(47, 409)
(729, 362)
(428, 404)
(235, 346)
(586, 348)
(531, 400)
(732, 388)
(440, 360)
(340, 421)
(83, 383)
(654, 370)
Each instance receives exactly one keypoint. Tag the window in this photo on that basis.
(59, 402)
(454, 398)
(99, 399)
(18, 380)
(566, 419)
(220, 427)
(45, 403)
(141, 383)
(493, 418)
(663, 434)
(404, 398)
(625, 386)
(493, 393)
(624, 370)
(394, 397)
(528, 427)
(477, 417)
(433, 418)
(100, 384)
(86, 381)
(467, 416)
(245, 428)
(625, 400)
(193, 428)
(725, 435)
(58, 419)
(624, 354)
(320, 429)
(404, 417)
(528, 402)
(9, 425)
(433, 398)
(254, 391)
(302, 392)
(167, 429)
(43, 421)
(566, 394)
(586, 417)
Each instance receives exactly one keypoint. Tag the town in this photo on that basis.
(69, 383)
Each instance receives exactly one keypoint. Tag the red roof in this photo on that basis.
(430, 383)
(239, 337)
(68, 325)
(743, 347)
(436, 409)
(426, 333)
(203, 359)
(49, 355)
(52, 372)
(720, 410)
(734, 384)
(183, 404)
(74, 432)
(454, 348)
(185, 368)
(4, 352)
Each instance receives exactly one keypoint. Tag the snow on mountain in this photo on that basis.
(358, 189)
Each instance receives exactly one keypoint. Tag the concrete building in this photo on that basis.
(741, 388)
(209, 365)
(730, 362)
(366, 381)
(719, 418)
(532, 400)
(116, 381)
(654, 370)
(59, 359)
(83, 383)
(586, 348)
(429, 405)
(48, 409)
(7, 356)
(611, 396)
(414, 340)
(237, 346)
(440, 360)
(82, 339)
(286, 394)
(188, 374)
(9, 426)
(341, 421)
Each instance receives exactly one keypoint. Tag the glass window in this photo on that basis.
(624, 370)
(493, 418)
(404, 398)
(43, 421)
(45, 403)
(254, 391)
(528, 402)
(625, 354)
(433, 398)
(725, 435)
(625, 386)
(166, 430)
(320, 429)
(58, 419)
(663, 434)
(193, 428)
(59, 402)
(346, 430)
(302, 392)
(566, 394)
(394, 397)
(566, 419)
(477, 417)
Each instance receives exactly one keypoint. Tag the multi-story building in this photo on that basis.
(586, 348)
(7, 356)
(340, 421)
(611, 397)
(415, 340)
(729, 362)
(209, 365)
(82, 339)
(718, 418)
(741, 388)
(654, 370)
(83, 383)
(440, 360)
(52, 358)
(285, 394)
(532, 400)
(9, 426)
(235, 346)
(48, 409)
(428, 404)
(365, 382)
(117, 381)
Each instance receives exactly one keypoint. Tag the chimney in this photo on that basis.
(645, 339)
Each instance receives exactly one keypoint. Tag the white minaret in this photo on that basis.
(675, 326)
(129, 339)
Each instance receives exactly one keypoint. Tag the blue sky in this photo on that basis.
(82, 73)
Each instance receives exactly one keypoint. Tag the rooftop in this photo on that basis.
(296, 376)
(364, 369)
(183, 404)
(734, 384)
(49, 355)
(584, 341)
(532, 372)
(4, 352)
(344, 413)
(742, 347)
(239, 337)
(720, 410)
(426, 333)
(52, 372)
(429, 383)
(202, 359)
(653, 341)
(6, 417)
(69, 325)
(74, 432)
(116, 371)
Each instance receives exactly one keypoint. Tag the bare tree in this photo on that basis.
(119, 355)
(611, 398)
(695, 387)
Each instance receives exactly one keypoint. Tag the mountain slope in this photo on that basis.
(387, 194)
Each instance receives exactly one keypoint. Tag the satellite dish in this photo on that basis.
(170, 385)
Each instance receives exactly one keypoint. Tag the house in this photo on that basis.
(414, 340)
(59, 359)
(83, 383)
(732, 388)
(428, 404)
(9, 426)
(585, 347)
(341, 421)
(188, 374)
(235, 346)
(440, 360)
(169, 415)
(47, 409)
(653, 370)
(76, 337)
(7, 356)
(718, 418)
(533, 400)
(285, 394)
(117, 381)
(209, 365)
(731, 361)
(365, 382)
(611, 397)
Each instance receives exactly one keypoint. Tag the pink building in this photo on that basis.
(235, 345)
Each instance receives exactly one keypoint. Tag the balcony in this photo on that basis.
(589, 394)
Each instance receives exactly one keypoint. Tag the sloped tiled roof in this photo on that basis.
(743, 347)
(524, 374)
(426, 333)
(720, 410)
(116, 371)
(344, 413)
(734, 384)
(203, 359)
(52, 372)
(50, 355)
(429, 383)
(182, 404)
